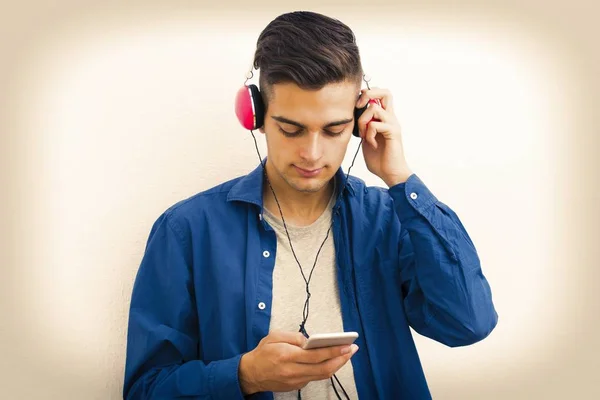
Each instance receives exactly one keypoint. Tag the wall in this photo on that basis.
(110, 113)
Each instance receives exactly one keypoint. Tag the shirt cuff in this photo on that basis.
(224, 379)
(411, 198)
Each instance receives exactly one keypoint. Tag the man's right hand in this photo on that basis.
(279, 364)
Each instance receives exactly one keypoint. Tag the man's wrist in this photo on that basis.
(396, 179)
(247, 384)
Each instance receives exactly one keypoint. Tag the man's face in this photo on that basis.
(308, 131)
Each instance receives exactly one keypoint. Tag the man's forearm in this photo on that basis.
(449, 299)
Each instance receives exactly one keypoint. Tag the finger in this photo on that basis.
(371, 133)
(376, 128)
(362, 122)
(372, 114)
(384, 95)
(376, 93)
(300, 372)
(294, 338)
(370, 136)
(326, 369)
(315, 356)
(378, 113)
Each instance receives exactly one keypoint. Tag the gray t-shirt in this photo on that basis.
(289, 293)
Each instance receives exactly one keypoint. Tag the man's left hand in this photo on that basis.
(383, 152)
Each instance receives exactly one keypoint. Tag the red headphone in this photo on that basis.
(250, 109)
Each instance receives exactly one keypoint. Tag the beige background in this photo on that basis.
(111, 113)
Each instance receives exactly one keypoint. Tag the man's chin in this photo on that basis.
(307, 185)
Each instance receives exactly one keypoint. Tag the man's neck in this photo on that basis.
(298, 208)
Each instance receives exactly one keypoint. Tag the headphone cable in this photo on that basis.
(306, 309)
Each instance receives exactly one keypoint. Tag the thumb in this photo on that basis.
(294, 338)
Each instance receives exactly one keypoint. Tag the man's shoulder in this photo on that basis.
(370, 202)
(368, 193)
(212, 199)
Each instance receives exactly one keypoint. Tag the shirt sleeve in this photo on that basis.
(163, 356)
(446, 296)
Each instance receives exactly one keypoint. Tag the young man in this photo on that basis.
(222, 287)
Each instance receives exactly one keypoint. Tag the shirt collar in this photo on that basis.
(249, 188)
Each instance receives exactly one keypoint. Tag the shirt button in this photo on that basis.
(261, 305)
(413, 195)
(266, 254)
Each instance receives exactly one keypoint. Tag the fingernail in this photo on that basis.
(346, 350)
(354, 348)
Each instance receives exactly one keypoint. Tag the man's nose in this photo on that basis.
(311, 146)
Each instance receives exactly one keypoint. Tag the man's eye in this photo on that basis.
(289, 134)
(296, 133)
(335, 133)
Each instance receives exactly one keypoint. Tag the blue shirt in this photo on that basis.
(202, 295)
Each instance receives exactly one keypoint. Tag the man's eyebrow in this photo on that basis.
(299, 125)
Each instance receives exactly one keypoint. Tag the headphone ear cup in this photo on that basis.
(249, 107)
(357, 113)
(259, 107)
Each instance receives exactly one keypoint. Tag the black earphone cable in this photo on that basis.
(306, 310)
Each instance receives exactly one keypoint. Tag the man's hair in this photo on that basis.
(308, 49)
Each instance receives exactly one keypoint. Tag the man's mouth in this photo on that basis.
(308, 173)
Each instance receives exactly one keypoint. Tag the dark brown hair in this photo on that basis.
(308, 49)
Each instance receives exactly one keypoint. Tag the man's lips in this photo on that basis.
(308, 172)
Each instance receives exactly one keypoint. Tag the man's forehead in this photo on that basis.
(289, 92)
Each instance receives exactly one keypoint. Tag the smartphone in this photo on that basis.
(330, 339)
